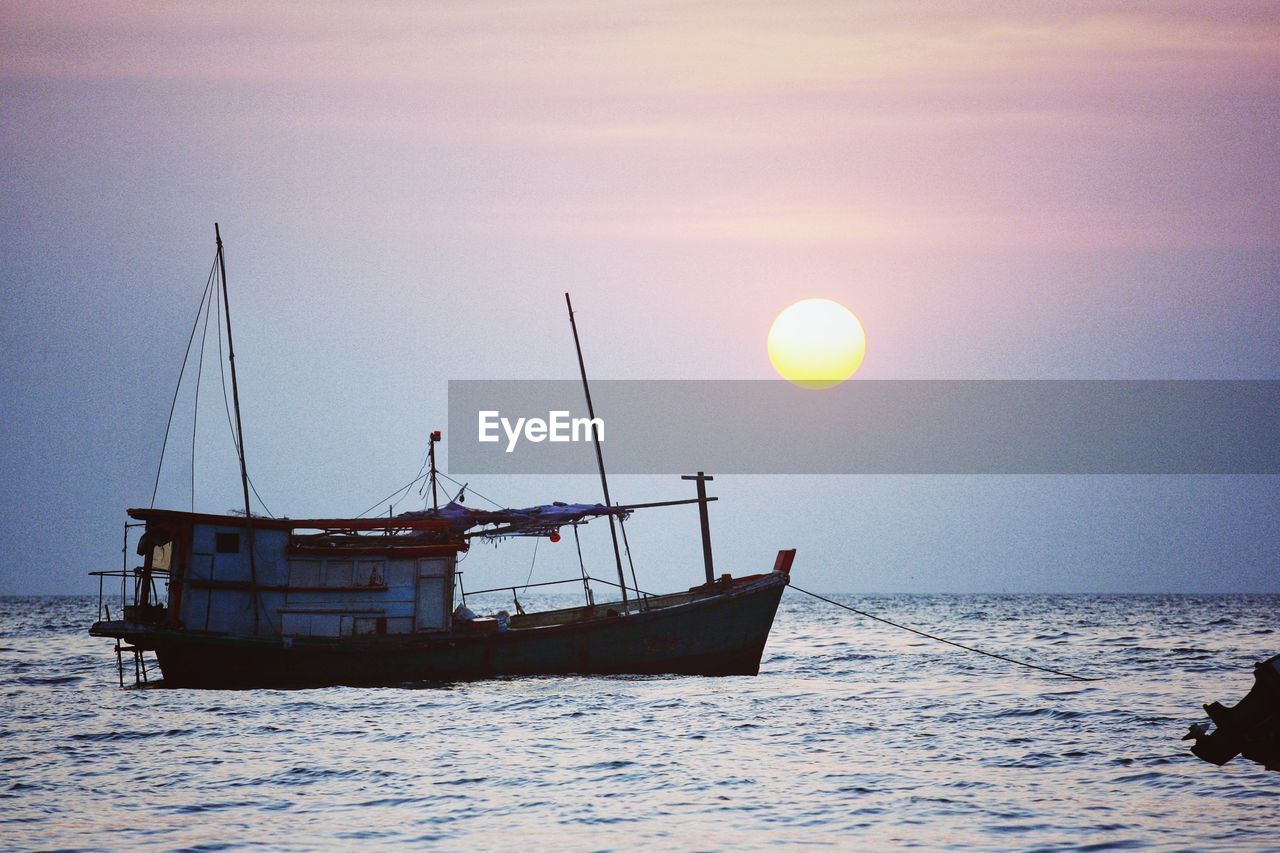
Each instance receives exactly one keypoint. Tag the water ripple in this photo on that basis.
(852, 733)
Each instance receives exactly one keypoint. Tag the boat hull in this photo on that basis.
(720, 633)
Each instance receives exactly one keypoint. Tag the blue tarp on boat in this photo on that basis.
(526, 521)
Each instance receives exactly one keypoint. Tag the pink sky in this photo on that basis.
(990, 126)
(997, 190)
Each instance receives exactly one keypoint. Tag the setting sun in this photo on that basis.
(816, 343)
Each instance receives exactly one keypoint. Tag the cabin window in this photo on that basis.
(227, 543)
(304, 573)
(338, 572)
(162, 555)
(371, 573)
(158, 545)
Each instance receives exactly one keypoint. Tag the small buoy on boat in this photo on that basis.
(555, 536)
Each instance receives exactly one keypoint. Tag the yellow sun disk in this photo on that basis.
(816, 343)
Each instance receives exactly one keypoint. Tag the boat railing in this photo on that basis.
(131, 608)
(515, 589)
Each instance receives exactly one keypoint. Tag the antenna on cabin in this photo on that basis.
(595, 438)
(431, 456)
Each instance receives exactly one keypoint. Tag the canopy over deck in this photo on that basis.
(328, 524)
(525, 521)
(453, 519)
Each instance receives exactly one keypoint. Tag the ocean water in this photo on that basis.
(854, 735)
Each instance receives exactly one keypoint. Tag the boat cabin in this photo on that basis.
(312, 577)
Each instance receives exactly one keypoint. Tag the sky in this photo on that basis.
(406, 190)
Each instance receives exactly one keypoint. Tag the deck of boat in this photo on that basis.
(716, 629)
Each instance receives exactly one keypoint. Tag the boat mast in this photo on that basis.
(595, 436)
(235, 400)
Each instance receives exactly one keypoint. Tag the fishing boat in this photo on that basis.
(243, 600)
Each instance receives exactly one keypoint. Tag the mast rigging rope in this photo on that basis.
(181, 372)
(226, 406)
(195, 407)
(394, 494)
(532, 562)
(207, 298)
(469, 489)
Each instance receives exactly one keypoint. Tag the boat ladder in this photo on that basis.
(139, 664)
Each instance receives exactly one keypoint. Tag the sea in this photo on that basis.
(855, 735)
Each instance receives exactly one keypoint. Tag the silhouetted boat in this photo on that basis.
(1250, 728)
(333, 609)
(246, 601)
(370, 601)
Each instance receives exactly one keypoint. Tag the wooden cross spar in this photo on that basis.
(702, 480)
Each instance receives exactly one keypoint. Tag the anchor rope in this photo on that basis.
(945, 640)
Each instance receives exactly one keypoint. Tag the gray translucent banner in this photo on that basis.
(870, 427)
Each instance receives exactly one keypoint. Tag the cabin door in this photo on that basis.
(432, 612)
